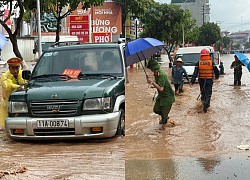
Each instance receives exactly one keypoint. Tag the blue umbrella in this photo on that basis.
(244, 59)
(141, 49)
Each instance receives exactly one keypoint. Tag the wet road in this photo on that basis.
(200, 146)
(74, 160)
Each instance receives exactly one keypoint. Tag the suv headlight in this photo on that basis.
(18, 107)
(97, 104)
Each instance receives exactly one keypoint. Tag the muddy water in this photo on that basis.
(200, 146)
(66, 160)
(74, 160)
(200, 143)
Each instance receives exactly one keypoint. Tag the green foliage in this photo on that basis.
(226, 41)
(135, 7)
(236, 46)
(57, 6)
(166, 23)
(218, 45)
(209, 34)
(247, 45)
(26, 16)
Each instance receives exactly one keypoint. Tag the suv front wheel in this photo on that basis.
(121, 124)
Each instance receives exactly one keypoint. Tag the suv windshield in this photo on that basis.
(191, 58)
(86, 61)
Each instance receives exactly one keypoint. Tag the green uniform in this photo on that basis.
(237, 65)
(165, 99)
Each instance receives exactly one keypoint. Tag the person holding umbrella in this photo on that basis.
(237, 66)
(205, 69)
(165, 97)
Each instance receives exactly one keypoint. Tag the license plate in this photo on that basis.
(52, 123)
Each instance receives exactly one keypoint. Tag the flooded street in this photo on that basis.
(93, 159)
(200, 146)
(88, 159)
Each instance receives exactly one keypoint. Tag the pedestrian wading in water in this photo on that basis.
(237, 66)
(205, 70)
(177, 75)
(165, 97)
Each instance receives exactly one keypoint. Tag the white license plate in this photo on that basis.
(52, 123)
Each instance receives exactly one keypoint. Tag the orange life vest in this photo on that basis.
(205, 67)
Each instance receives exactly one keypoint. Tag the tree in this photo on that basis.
(209, 34)
(192, 35)
(62, 8)
(218, 45)
(13, 6)
(247, 45)
(166, 23)
(135, 8)
(226, 41)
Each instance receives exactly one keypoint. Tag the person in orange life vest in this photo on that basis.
(205, 70)
(10, 81)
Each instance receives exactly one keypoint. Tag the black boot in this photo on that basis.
(239, 83)
(235, 83)
(205, 108)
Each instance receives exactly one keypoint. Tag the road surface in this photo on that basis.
(200, 146)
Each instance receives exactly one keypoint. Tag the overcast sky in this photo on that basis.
(231, 15)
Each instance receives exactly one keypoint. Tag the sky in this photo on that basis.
(231, 15)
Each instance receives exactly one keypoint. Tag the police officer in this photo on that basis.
(205, 69)
(10, 81)
(165, 97)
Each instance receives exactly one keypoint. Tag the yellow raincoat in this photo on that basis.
(9, 84)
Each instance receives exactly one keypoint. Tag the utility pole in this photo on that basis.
(205, 11)
(39, 28)
(183, 36)
(203, 14)
(136, 27)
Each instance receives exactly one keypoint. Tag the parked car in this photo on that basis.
(74, 91)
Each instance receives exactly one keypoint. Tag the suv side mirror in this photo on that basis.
(26, 74)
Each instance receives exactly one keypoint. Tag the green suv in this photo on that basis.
(75, 91)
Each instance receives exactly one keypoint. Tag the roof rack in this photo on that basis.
(65, 43)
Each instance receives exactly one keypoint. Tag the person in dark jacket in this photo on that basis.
(237, 66)
(222, 69)
(177, 74)
(205, 70)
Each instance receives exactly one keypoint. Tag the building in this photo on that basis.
(200, 9)
(239, 37)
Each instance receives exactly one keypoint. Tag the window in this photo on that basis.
(87, 61)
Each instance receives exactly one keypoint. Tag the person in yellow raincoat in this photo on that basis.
(10, 81)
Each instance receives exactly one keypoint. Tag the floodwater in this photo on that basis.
(200, 146)
(70, 160)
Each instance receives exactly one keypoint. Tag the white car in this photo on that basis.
(191, 55)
